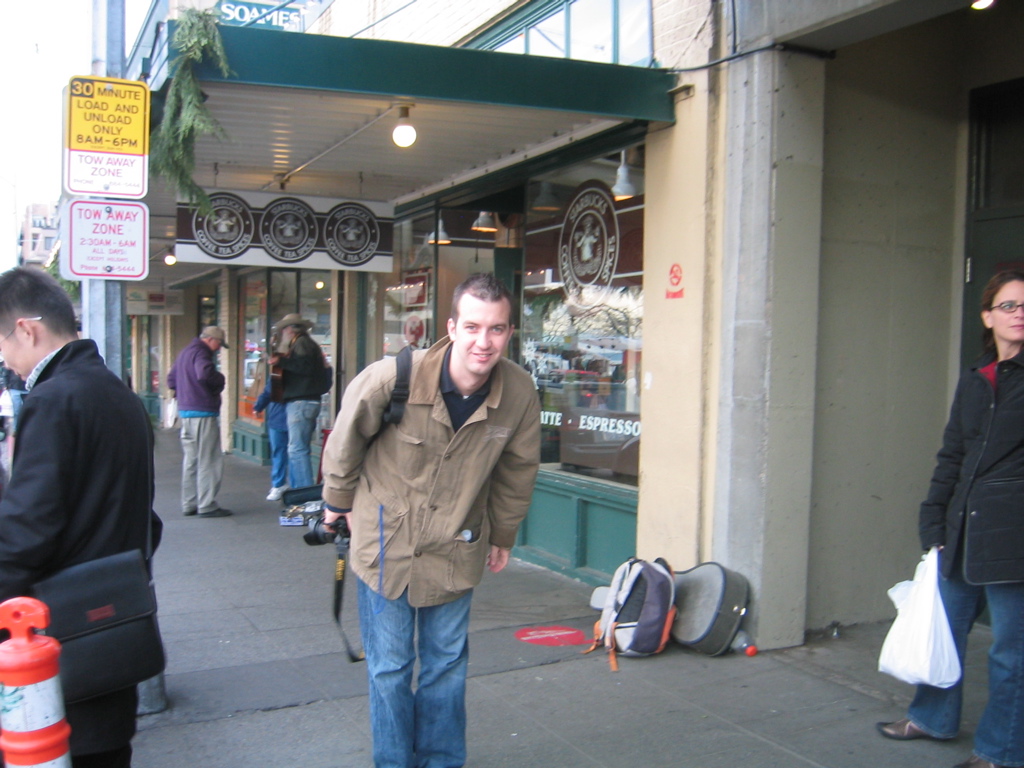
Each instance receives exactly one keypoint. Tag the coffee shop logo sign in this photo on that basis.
(287, 229)
(588, 247)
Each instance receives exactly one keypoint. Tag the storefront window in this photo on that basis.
(209, 312)
(315, 303)
(283, 293)
(315, 306)
(435, 256)
(583, 315)
(409, 303)
(253, 322)
(151, 341)
(267, 296)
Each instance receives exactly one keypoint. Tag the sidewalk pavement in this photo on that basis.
(257, 674)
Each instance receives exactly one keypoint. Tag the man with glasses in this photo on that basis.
(80, 482)
(197, 385)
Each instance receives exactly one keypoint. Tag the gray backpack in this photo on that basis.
(638, 611)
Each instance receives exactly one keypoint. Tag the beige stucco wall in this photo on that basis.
(672, 518)
(672, 401)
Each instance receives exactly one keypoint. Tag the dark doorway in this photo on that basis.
(995, 219)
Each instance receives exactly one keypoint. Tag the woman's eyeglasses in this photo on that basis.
(1008, 307)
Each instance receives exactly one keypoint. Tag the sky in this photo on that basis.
(43, 44)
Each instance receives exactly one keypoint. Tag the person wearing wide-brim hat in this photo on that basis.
(304, 379)
(296, 320)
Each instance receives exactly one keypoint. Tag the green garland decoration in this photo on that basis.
(185, 116)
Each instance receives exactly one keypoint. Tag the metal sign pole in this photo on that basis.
(103, 314)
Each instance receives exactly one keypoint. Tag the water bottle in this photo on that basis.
(743, 644)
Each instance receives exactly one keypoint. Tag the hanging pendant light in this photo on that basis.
(404, 134)
(442, 236)
(623, 189)
(484, 223)
(546, 200)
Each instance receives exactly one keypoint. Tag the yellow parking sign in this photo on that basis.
(106, 141)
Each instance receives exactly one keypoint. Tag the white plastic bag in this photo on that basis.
(919, 648)
(170, 413)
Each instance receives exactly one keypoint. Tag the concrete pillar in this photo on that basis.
(769, 302)
(103, 320)
(103, 314)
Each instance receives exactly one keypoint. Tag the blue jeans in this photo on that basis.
(425, 729)
(999, 737)
(278, 456)
(301, 421)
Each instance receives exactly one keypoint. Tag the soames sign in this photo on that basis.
(266, 15)
(257, 229)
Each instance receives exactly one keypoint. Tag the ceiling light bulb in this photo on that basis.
(170, 259)
(404, 134)
(981, 5)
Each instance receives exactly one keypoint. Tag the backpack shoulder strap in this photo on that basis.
(400, 394)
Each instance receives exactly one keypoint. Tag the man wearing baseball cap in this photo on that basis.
(197, 385)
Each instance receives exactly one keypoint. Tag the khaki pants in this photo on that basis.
(203, 464)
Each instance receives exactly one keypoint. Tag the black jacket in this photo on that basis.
(975, 505)
(304, 372)
(81, 488)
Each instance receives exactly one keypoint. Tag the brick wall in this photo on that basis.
(683, 32)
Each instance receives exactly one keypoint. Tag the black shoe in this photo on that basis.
(902, 730)
(218, 512)
(190, 512)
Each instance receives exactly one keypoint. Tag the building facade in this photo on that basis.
(37, 240)
(746, 239)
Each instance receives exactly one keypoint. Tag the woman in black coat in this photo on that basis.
(974, 514)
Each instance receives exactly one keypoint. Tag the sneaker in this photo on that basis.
(276, 493)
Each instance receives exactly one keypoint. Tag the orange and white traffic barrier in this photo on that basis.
(33, 731)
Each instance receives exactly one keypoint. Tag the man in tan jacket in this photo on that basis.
(430, 502)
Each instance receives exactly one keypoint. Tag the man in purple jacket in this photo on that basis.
(197, 385)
